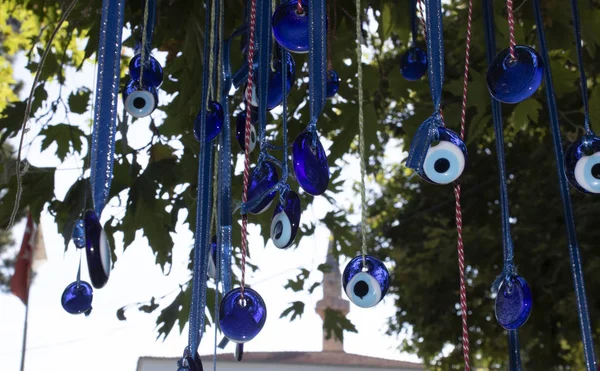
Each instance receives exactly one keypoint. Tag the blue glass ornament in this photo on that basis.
(286, 221)
(333, 83)
(275, 93)
(444, 161)
(513, 81)
(290, 28)
(513, 303)
(212, 261)
(240, 132)
(189, 364)
(214, 121)
(241, 320)
(97, 250)
(310, 164)
(239, 352)
(413, 64)
(153, 72)
(365, 287)
(78, 234)
(582, 164)
(262, 179)
(77, 297)
(139, 101)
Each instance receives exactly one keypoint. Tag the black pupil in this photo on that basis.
(441, 165)
(278, 229)
(139, 103)
(596, 171)
(252, 137)
(361, 289)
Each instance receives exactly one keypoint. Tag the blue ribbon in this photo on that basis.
(414, 26)
(317, 59)
(426, 133)
(149, 25)
(263, 49)
(107, 97)
(576, 269)
(580, 66)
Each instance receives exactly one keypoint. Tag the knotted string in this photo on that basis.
(580, 66)
(147, 33)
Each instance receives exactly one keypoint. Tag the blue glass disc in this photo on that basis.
(286, 221)
(513, 305)
(582, 164)
(153, 72)
(241, 322)
(290, 29)
(78, 234)
(365, 288)
(240, 131)
(262, 179)
(446, 160)
(333, 83)
(310, 164)
(139, 101)
(77, 297)
(413, 64)
(275, 93)
(189, 364)
(214, 121)
(514, 81)
(97, 250)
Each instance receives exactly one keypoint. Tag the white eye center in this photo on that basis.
(281, 230)
(363, 290)
(254, 100)
(140, 103)
(444, 163)
(587, 172)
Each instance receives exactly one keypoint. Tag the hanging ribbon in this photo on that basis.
(580, 66)
(263, 48)
(414, 25)
(576, 269)
(148, 32)
(107, 97)
(317, 61)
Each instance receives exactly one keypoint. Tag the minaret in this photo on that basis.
(332, 298)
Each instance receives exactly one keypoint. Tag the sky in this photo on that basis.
(58, 340)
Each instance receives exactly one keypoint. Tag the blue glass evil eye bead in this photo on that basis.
(242, 319)
(214, 121)
(77, 298)
(290, 28)
(275, 93)
(97, 250)
(139, 101)
(188, 363)
(513, 81)
(582, 164)
(365, 286)
(286, 220)
(153, 72)
(445, 161)
(78, 234)
(310, 164)
(413, 64)
(240, 132)
(513, 303)
(262, 179)
(333, 83)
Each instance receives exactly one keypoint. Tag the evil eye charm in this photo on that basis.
(413, 64)
(286, 220)
(365, 285)
(78, 234)
(513, 303)
(212, 259)
(214, 121)
(188, 363)
(445, 161)
(140, 101)
(77, 298)
(310, 164)
(333, 83)
(262, 179)
(275, 93)
(240, 132)
(290, 28)
(153, 72)
(513, 81)
(241, 319)
(97, 250)
(582, 164)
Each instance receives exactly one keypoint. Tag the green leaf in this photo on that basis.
(296, 309)
(78, 100)
(149, 308)
(526, 112)
(335, 323)
(64, 136)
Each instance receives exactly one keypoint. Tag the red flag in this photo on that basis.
(19, 284)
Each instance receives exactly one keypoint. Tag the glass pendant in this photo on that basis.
(365, 286)
(413, 64)
(333, 83)
(582, 164)
(290, 28)
(445, 161)
(513, 81)
(189, 364)
(513, 303)
(242, 319)
(310, 164)
(286, 221)
(97, 250)
(153, 72)
(139, 101)
(240, 132)
(78, 234)
(262, 179)
(275, 93)
(214, 121)
(77, 298)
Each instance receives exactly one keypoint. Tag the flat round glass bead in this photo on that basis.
(97, 250)
(446, 160)
(286, 221)
(139, 101)
(214, 121)
(240, 131)
(333, 83)
(310, 164)
(78, 234)
(413, 64)
(513, 81)
(242, 319)
(77, 297)
(275, 93)
(365, 286)
(262, 179)
(582, 164)
(153, 72)
(513, 303)
(290, 28)
(189, 364)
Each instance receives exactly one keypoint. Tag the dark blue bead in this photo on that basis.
(290, 29)
(139, 101)
(153, 72)
(214, 121)
(582, 164)
(275, 93)
(413, 64)
(262, 179)
(240, 130)
(310, 164)
(190, 364)
(365, 288)
(513, 303)
(514, 81)
(239, 352)
(77, 297)
(97, 250)
(241, 320)
(445, 161)
(78, 234)
(286, 221)
(333, 83)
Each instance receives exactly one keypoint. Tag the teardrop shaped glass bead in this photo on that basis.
(214, 121)
(139, 101)
(275, 93)
(97, 250)
(290, 28)
(413, 64)
(240, 131)
(262, 179)
(153, 72)
(310, 164)
(513, 303)
(365, 286)
(513, 81)
(77, 297)
(242, 319)
(286, 221)
(78, 234)
(582, 164)
(333, 83)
